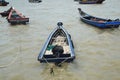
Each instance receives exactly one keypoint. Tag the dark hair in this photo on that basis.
(57, 50)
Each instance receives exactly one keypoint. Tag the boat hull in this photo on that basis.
(4, 14)
(35, 1)
(66, 57)
(57, 60)
(91, 2)
(98, 22)
(18, 21)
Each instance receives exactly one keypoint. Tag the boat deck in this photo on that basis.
(61, 41)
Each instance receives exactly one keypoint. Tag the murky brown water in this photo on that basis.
(97, 51)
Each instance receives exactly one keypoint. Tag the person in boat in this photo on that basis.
(57, 50)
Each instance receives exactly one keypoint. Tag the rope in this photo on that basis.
(51, 67)
(46, 61)
(63, 61)
(59, 63)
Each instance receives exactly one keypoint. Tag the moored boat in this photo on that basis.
(3, 3)
(15, 17)
(98, 22)
(91, 1)
(76, 0)
(35, 1)
(6, 13)
(58, 47)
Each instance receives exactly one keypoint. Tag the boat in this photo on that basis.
(3, 3)
(76, 0)
(58, 48)
(15, 17)
(35, 1)
(91, 1)
(6, 13)
(98, 22)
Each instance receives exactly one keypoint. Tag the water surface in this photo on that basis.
(97, 51)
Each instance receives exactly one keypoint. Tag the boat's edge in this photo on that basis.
(40, 57)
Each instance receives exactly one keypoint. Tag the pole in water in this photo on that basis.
(51, 71)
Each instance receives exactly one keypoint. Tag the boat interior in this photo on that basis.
(58, 38)
(15, 15)
(95, 19)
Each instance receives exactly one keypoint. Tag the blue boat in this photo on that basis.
(98, 22)
(91, 1)
(58, 48)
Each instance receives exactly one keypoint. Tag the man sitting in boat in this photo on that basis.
(59, 42)
(57, 51)
(58, 47)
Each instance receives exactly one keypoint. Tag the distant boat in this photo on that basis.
(35, 1)
(6, 13)
(98, 22)
(58, 47)
(91, 1)
(15, 17)
(3, 3)
(76, 0)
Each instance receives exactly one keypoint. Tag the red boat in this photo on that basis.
(15, 17)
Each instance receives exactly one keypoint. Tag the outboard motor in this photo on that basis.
(57, 51)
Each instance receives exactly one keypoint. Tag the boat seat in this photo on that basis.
(66, 49)
(48, 52)
(59, 40)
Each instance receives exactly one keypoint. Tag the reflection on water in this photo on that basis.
(97, 50)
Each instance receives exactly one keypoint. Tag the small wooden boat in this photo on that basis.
(91, 1)
(6, 13)
(15, 17)
(35, 1)
(76, 0)
(3, 3)
(58, 47)
(98, 22)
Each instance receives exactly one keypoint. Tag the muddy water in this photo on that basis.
(97, 51)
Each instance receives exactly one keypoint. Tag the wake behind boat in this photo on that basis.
(58, 47)
(98, 22)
